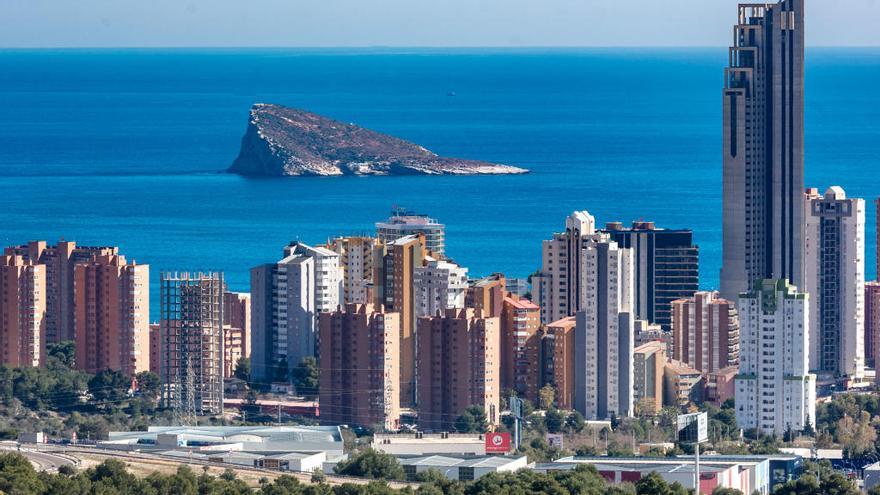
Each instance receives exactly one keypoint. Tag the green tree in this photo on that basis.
(575, 422)
(720, 490)
(472, 420)
(61, 353)
(372, 464)
(243, 369)
(109, 387)
(554, 420)
(654, 484)
(546, 396)
(305, 377)
(17, 475)
(149, 384)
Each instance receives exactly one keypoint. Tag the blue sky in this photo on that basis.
(313, 23)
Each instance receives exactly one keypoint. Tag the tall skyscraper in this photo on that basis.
(360, 367)
(763, 148)
(22, 311)
(604, 333)
(360, 259)
(775, 391)
(705, 332)
(397, 294)
(191, 309)
(112, 311)
(520, 363)
(557, 287)
(665, 267)
(439, 285)
(286, 299)
(834, 277)
(404, 223)
(59, 261)
(458, 367)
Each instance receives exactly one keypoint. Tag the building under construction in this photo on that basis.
(192, 343)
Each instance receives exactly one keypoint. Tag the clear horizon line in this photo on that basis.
(389, 47)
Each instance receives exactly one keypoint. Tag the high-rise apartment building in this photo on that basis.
(649, 361)
(775, 391)
(458, 367)
(360, 259)
(487, 294)
(665, 267)
(286, 299)
(111, 315)
(520, 347)
(22, 311)
(763, 147)
(559, 347)
(404, 223)
(360, 366)
(237, 316)
(705, 332)
(439, 285)
(59, 261)
(191, 308)
(834, 277)
(397, 294)
(604, 332)
(557, 287)
(872, 323)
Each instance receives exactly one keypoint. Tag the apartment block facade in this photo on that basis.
(458, 367)
(286, 299)
(775, 390)
(520, 347)
(439, 285)
(111, 315)
(604, 333)
(705, 332)
(360, 367)
(556, 288)
(834, 276)
(22, 311)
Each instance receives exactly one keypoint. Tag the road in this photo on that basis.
(42, 461)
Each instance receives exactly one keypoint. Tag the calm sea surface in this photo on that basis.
(123, 147)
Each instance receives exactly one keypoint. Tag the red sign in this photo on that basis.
(497, 443)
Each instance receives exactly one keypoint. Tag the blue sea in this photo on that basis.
(124, 147)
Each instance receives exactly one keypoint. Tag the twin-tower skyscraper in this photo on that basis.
(763, 148)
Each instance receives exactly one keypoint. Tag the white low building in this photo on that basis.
(422, 444)
(462, 469)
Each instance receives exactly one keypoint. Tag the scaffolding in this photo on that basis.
(192, 344)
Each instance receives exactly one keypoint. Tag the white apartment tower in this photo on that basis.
(604, 331)
(439, 285)
(286, 299)
(360, 259)
(775, 391)
(557, 286)
(834, 276)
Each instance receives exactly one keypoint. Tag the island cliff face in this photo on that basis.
(282, 141)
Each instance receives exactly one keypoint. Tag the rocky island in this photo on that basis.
(282, 141)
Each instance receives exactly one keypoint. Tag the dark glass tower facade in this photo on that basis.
(665, 268)
(763, 147)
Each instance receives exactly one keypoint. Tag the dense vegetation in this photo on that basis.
(60, 400)
(17, 476)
